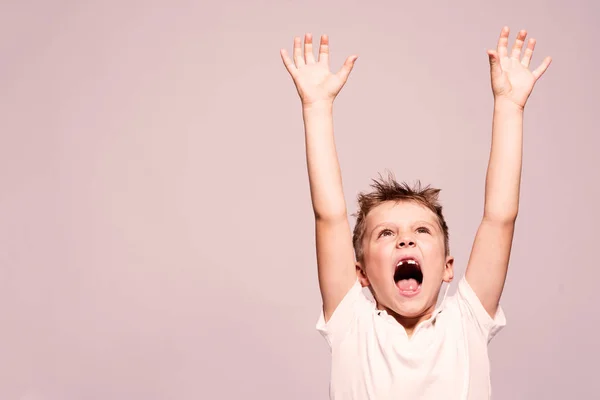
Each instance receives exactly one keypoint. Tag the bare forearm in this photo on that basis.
(323, 167)
(512, 83)
(504, 170)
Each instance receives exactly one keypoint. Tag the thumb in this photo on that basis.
(344, 72)
(495, 67)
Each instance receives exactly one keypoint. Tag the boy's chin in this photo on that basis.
(414, 310)
(410, 307)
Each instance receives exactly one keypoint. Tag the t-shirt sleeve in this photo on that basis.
(343, 316)
(474, 311)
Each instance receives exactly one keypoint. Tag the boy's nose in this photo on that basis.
(406, 243)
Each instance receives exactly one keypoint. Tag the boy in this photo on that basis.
(402, 346)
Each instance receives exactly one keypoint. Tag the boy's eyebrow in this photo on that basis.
(431, 224)
(377, 226)
(427, 223)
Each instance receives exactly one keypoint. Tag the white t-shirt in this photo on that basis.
(372, 357)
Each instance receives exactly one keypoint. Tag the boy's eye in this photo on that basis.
(385, 232)
(423, 230)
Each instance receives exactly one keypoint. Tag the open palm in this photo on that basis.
(510, 74)
(313, 78)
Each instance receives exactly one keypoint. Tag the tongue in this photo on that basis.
(407, 285)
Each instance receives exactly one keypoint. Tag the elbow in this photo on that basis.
(501, 212)
(331, 216)
(500, 218)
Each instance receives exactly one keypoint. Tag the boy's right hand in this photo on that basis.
(313, 79)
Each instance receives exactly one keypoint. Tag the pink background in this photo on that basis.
(156, 235)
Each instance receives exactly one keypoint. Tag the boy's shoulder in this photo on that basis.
(472, 312)
(462, 311)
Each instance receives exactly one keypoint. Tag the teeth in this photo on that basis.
(406, 261)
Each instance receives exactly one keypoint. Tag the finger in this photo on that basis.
(528, 53)
(539, 71)
(503, 42)
(518, 46)
(344, 72)
(287, 61)
(309, 57)
(298, 59)
(324, 50)
(495, 67)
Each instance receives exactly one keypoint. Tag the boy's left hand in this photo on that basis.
(511, 78)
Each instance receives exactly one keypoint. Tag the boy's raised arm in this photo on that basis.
(317, 88)
(512, 83)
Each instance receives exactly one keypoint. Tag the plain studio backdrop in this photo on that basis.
(156, 231)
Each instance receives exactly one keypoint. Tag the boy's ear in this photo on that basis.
(449, 269)
(362, 276)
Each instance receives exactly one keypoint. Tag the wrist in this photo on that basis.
(505, 105)
(318, 106)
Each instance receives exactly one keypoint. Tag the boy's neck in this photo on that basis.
(409, 323)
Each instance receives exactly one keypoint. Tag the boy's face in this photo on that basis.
(404, 258)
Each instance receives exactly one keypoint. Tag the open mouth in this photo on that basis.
(408, 276)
